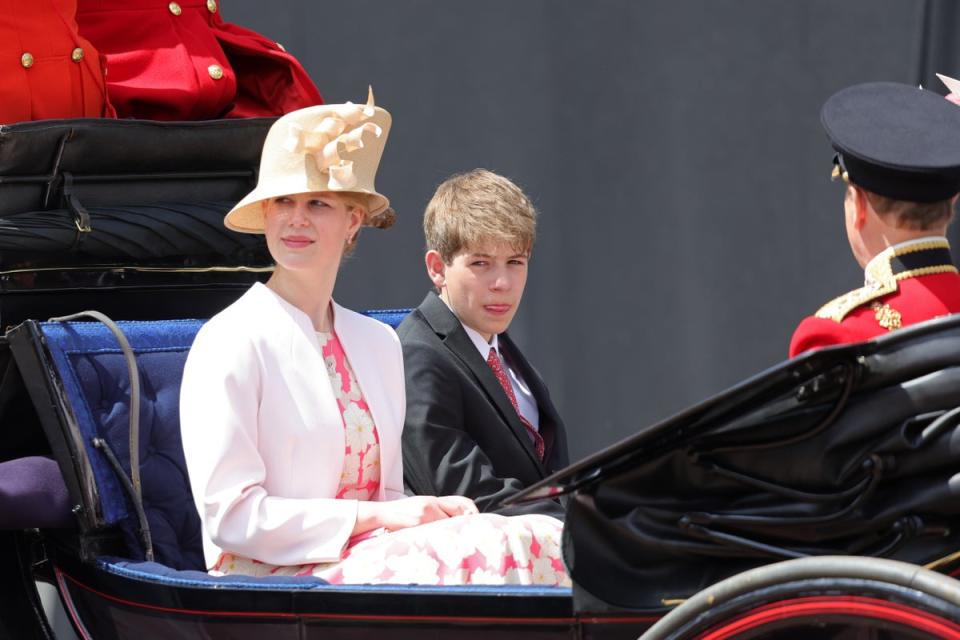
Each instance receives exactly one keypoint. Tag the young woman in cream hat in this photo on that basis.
(292, 406)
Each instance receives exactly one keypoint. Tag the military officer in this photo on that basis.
(898, 152)
(47, 70)
(178, 60)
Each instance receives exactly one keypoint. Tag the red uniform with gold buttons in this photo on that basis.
(47, 70)
(178, 60)
(906, 284)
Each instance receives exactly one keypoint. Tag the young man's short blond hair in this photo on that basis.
(474, 209)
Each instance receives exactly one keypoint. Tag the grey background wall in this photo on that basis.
(673, 148)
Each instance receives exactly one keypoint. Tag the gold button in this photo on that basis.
(26, 60)
(76, 55)
(212, 6)
(174, 8)
(215, 71)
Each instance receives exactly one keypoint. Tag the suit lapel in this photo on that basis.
(446, 325)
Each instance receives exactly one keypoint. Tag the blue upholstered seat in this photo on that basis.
(91, 366)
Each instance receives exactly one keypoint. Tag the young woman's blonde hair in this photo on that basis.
(361, 201)
(474, 209)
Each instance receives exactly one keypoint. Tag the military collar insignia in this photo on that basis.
(886, 270)
(886, 316)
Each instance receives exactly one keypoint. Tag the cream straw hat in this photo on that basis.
(331, 147)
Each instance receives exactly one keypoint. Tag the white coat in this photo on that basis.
(263, 436)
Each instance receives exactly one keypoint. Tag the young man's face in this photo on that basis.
(482, 285)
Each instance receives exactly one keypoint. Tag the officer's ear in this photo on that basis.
(861, 206)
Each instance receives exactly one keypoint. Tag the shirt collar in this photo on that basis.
(885, 255)
(482, 345)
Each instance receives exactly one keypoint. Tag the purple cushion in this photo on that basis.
(33, 495)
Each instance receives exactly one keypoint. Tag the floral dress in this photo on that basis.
(475, 549)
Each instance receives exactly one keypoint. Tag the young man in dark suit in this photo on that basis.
(479, 422)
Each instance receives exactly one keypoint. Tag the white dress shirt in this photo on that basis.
(526, 403)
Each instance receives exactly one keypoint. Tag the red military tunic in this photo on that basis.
(46, 69)
(908, 283)
(180, 61)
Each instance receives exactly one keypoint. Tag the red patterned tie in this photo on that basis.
(494, 361)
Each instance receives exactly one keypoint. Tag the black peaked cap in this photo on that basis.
(896, 140)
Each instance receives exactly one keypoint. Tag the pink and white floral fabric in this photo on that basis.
(477, 549)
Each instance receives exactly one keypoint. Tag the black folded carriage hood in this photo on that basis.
(851, 450)
(125, 216)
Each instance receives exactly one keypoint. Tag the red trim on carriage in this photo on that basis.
(62, 577)
(837, 605)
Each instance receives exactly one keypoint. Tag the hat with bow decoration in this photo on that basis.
(333, 148)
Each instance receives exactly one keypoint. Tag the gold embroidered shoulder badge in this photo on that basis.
(887, 317)
(841, 306)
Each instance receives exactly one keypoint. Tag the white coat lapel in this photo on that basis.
(305, 373)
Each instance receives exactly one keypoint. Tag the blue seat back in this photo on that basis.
(96, 382)
(94, 375)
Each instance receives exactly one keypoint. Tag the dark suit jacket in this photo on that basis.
(461, 434)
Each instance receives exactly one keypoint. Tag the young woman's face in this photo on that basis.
(309, 231)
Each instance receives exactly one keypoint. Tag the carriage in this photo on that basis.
(817, 498)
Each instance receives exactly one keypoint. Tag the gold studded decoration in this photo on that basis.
(215, 71)
(837, 172)
(881, 281)
(887, 317)
(76, 55)
(212, 6)
(26, 60)
(174, 8)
